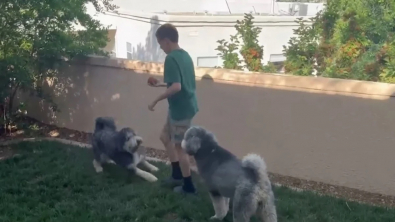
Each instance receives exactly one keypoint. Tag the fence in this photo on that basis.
(330, 130)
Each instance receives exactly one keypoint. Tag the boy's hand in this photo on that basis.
(154, 82)
(173, 89)
(151, 106)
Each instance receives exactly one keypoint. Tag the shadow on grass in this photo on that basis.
(50, 181)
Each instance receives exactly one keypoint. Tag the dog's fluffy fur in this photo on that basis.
(245, 181)
(119, 147)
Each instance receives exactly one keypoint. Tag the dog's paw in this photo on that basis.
(215, 218)
(154, 169)
(111, 162)
(152, 179)
(99, 169)
(145, 175)
(97, 166)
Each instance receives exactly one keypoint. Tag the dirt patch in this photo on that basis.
(37, 129)
(336, 191)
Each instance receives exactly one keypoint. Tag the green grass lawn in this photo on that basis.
(55, 182)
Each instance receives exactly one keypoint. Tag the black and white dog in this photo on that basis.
(119, 147)
(245, 181)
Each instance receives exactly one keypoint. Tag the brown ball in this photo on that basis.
(152, 81)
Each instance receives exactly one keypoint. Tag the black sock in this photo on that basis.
(176, 170)
(188, 185)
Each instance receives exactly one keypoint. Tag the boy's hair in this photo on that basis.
(167, 31)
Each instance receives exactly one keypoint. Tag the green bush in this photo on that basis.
(348, 39)
(36, 36)
(248, 47)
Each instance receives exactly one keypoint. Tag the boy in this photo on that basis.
(179, 78)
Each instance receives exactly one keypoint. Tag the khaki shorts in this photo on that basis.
(176, 129)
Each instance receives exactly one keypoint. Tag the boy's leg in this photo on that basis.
(177, 130)
(165, 137)
(176, 176)
(187, 186)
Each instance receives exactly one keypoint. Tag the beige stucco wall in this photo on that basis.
(335, 131)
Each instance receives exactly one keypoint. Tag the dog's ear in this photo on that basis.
(123, 136)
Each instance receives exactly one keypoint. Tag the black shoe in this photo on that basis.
(171, 182)
(181, 190)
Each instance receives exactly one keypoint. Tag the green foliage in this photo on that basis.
(308, 1)
(246, 41)
(348, 39)
(228, 53)
(388, 52)
(269, 68)
(37, 36)
(301, 50)
(250, 49)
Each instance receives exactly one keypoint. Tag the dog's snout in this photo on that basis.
(139, 140)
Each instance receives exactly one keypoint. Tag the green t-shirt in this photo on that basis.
(179, 68)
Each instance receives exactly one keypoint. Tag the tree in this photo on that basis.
(37, 36)
(348, 39)
(249, 47)
(228, 52)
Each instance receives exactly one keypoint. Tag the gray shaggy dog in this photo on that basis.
(119, 147)
(245, 181)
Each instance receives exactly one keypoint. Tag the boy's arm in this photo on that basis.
(161, 84)
(173, 89)
(171, 75)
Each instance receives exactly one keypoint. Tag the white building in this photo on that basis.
(200, 25)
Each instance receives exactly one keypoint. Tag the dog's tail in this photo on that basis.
(257, 165)
(104, 122)
(266, 201)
